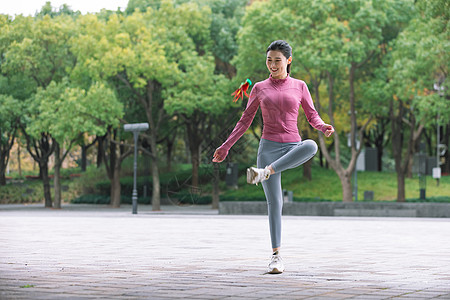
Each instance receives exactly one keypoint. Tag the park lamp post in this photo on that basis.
(440, 148)
(135, 129)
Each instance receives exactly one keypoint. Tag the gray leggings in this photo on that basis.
(281, 156)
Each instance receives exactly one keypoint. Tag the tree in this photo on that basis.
(198, 103)
(113, 157)
(412, 74)
(40, 53)
(10, 113)
(363, 26)
(198, 95)
(226, 17)
(332, 40)
(90, 112)
(132, 54)
(10, 107)
(48, 10)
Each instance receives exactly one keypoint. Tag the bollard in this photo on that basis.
(288, 196)
(368, 195)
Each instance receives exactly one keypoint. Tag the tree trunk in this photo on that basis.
(156, 193)
(216, 179)
(347, 193)
(307, 174)
(84, 149)
(56, 178)
(19, 161)
(83, 158)
(401, 197)
(170, 142)
(43, 148)
(169, 154)
(380, 157)
(43, 167)
(3, 165)
(4, 157)
(412, 150)
(100, 150)
(195, 166)
(397, 143)
(195, 139)
(344, 174)
(113, 171)
(154, 108)
(321, 158)
(115, 186)
(113, 163)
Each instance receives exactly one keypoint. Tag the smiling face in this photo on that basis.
(277, 64)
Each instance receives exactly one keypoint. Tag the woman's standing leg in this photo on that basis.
(273, 192)
(268, 152)
(280, 157)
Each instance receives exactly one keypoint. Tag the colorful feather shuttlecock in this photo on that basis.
(239, 93)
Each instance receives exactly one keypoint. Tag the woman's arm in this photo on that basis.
(312, 115)
(241, 127)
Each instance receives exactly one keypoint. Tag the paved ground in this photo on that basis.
(193, 253)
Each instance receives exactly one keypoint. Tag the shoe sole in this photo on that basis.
(275, 271)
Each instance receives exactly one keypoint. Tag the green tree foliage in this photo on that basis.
(39, 51)
(90, 112)
(171, 63)
(419, 63)
(154, 55)
(48, 10)
(334, 42)
(199, 95)
(10, 114)
(125, 52)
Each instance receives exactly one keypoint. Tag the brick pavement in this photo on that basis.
(85, 252)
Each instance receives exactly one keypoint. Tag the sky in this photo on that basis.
(30, 7)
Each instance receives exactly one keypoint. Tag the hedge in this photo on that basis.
(171, 182)
(102, 199)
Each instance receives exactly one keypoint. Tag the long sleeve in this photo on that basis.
(244, 123)
(310, 111)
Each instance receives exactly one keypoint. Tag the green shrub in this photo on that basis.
(103, 199)
(439, 199)
(29, 192)
(305, 199)
(191, 198)
(92, 199)
(227, 198)
(170, 182)
(86, 184)
(129, 200)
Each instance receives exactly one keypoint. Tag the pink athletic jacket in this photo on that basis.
(279, 100)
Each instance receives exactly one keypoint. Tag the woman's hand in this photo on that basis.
(329, 130)
(219, 155)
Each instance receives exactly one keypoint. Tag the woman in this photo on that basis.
(281, 146)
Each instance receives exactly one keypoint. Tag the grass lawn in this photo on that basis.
(325, 184)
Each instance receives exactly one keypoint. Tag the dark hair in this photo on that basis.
(284, 48)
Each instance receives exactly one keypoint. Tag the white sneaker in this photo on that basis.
(255, 175)
(276, 265)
